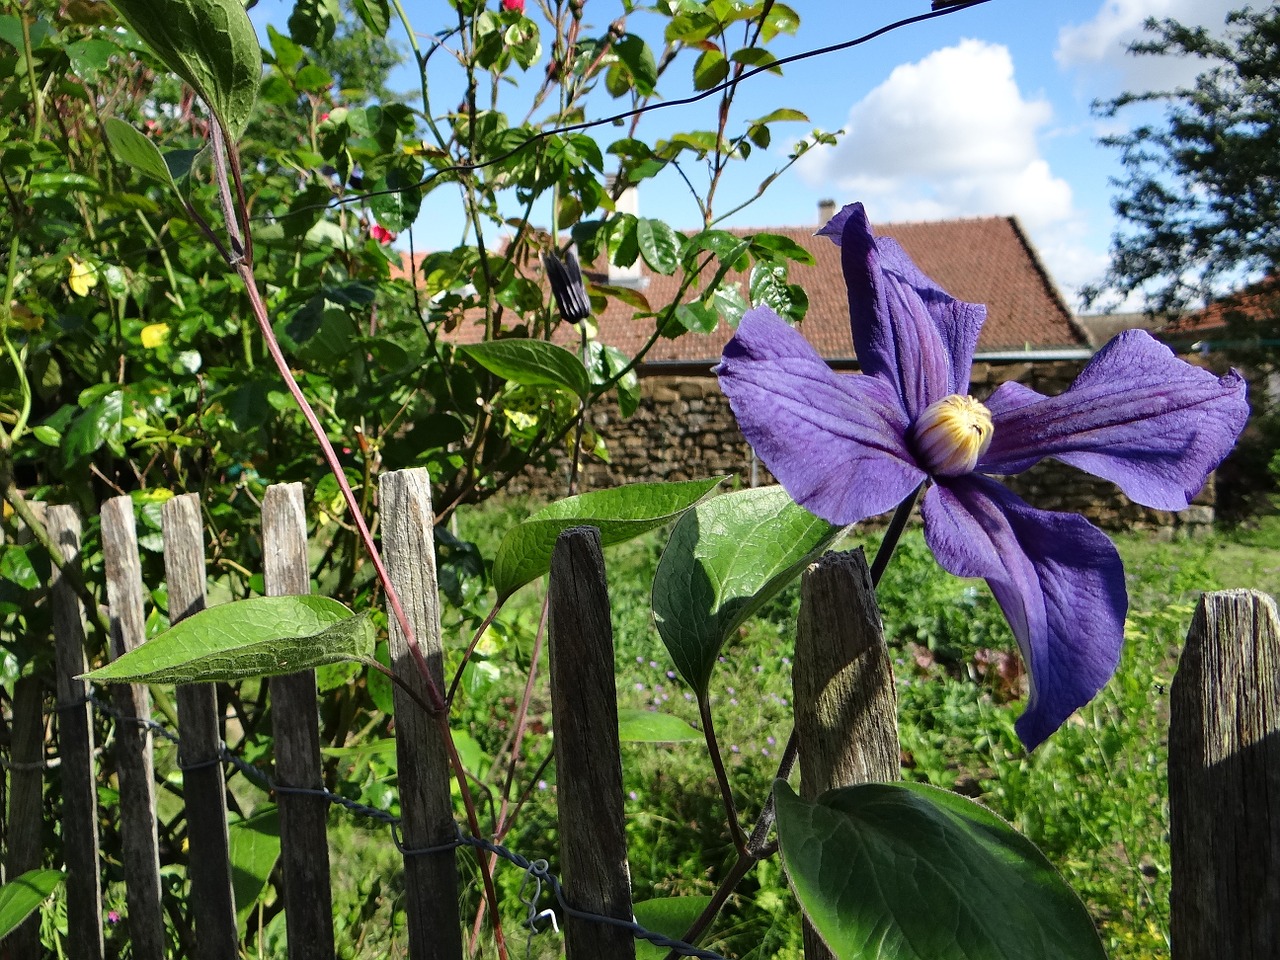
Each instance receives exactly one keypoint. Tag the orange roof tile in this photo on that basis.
(984, 260)
(1257, 302)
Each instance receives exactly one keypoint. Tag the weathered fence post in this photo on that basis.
(295, 727)
(1224, 782)
(584, 705)
(426, 804)
(75, 746)
(199, 751)
(140, 854)
(846, 706)
(26, 803)
(25, 812)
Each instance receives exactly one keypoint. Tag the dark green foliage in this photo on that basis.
(1201, 196)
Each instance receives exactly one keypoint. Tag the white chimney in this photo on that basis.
(826, 210)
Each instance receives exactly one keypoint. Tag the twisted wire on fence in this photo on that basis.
(537, 871)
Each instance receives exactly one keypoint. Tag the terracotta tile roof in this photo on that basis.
(985, 260)
(1255, 303)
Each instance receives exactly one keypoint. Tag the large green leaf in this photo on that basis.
(208, 43)
(724, 560)
(21, 895)
(905, 871)
(258, 637)
(534, 363)
(649, 726)
(669, 916)
(619, 514)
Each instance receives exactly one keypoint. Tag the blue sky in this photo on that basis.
(983, 112)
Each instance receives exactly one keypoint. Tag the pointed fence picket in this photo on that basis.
(1224, 758)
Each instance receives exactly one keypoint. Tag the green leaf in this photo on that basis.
(725, 559)
(253, 849)
(711, 68)
(780, 19)
(754, 57)
(136, 149)
(98, 424)
(376, 15)
(208, 43)
(16, 567)
(534, 363)
(258, 637)
(697, 317)
(730, 304)
(314, 22)
(773, 246)
(989, 892)
(783, 114)
(619, 513)
(659, 245)
(47, 435)
(669, 916)
(649, 726)
(23, 894)
(638, 58)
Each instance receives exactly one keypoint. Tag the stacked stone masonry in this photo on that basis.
(684, 430)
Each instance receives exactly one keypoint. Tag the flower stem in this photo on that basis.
(896, 525)
(756, 847)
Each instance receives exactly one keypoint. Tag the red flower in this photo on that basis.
(381, 234)
(514, 6)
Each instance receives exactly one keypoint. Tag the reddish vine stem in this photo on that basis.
(243, 265)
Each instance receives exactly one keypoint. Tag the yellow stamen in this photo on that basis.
(952, 435)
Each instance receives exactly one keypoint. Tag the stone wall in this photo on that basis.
(684, 430)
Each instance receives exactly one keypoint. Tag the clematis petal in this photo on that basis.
(905, 326)
(1137, 416)
(834, 442)
(1057, 578)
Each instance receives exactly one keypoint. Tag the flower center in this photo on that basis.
(952, 434)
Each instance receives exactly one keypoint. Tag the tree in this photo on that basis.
(1201, 198)
(1201, 208)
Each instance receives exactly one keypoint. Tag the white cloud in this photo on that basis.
(1103, 41)
(953, 136)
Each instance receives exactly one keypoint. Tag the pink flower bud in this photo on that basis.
(513, 6)
(381, 234)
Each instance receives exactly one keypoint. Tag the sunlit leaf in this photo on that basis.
(23, 894)
(208, 43)
(138, 151)
(725, 559)
(669, 916)
(659, 245)
(649, 726)
(258, 637)
(905, 871)
(619, 513)
(534, 363)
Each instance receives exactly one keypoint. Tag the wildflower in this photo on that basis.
(81, 277)
(381, 234)
(848, 448)
(154, 335)
(513, 6)
(566, 284)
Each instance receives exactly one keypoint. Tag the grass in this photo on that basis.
(1094, 797)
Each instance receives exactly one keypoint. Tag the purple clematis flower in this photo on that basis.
(851, 447)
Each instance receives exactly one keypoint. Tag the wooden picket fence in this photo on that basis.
(1224, 748)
